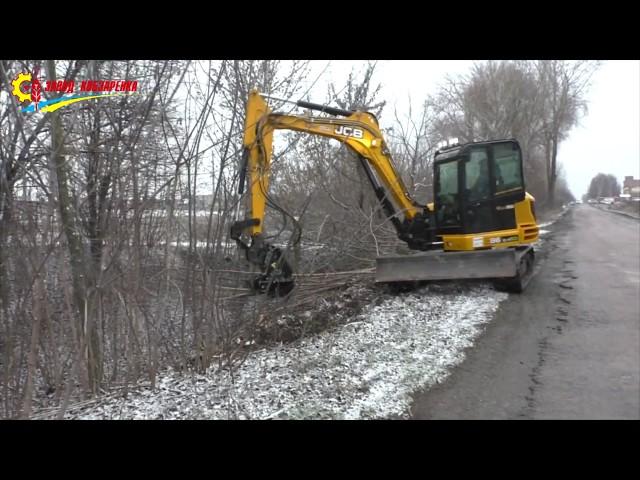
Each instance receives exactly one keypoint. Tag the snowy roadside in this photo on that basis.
(625, 213)
(365, 369)
(552, 218)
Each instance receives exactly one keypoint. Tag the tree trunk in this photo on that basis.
(75, 247)
(39, 316)
(552, 174)
(5, 220)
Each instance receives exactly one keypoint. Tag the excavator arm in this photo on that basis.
(360, 132)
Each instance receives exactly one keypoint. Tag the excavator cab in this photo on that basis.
(482, 217)
(476, 186)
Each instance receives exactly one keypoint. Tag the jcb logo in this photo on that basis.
(349, 132)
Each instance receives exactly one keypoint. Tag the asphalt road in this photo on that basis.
(567, 348)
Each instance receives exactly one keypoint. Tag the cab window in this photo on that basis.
(507, 169)
(477, 182)
(447, 195)
(449, 178)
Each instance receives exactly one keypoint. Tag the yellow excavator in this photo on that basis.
(481, 225)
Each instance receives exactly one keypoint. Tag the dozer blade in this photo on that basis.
(440, 265)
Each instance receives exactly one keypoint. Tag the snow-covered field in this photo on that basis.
(364, 369)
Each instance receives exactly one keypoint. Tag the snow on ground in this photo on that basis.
(364, 369)
(554, 218)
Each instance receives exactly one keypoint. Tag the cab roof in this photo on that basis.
(457, 150)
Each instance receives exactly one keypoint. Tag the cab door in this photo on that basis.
(507, 181)
(492, 182)
(447, 199)
(477, 198)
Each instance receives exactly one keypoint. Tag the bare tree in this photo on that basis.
(413, 146)
(535, 102)
(563, 86)
(603, 185)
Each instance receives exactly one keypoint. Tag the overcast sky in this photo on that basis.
(607, 140)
